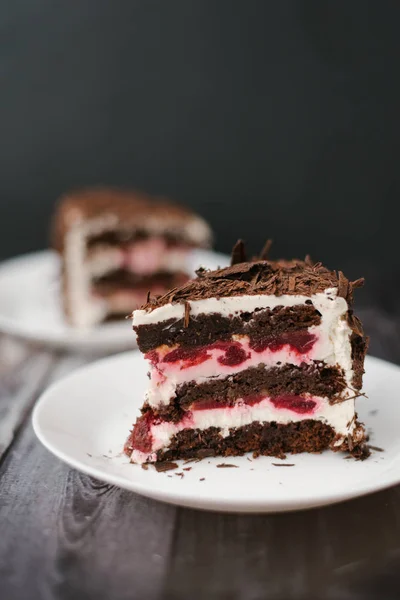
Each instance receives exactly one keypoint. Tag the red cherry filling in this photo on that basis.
(295, 403)
(191, 356)
(140, 438)
(234, 353)
(301, 341)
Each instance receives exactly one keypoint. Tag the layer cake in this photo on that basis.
(116, 245)
(262, 356)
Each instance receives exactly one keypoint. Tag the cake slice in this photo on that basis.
(261, 356)
(116, 245)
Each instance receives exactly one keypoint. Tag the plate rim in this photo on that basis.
(182, 498)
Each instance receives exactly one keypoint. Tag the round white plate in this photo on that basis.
(30, 304)
(85, 419)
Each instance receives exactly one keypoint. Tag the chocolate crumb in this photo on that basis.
(249, 459)
(187, 468)
(283, 464)
(373, 412)
(161, 467)
(181, 475)
(91, 455)
(376, 448)
(226, 466)
(202, 479)
(145, 466)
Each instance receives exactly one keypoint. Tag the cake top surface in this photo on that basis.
(259, 277)
(126, 209)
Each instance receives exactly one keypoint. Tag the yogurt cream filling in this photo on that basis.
(151, 434)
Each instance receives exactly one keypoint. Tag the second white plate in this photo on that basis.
(85, 419)
(30, 304)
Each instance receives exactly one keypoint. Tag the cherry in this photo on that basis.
(297, 404)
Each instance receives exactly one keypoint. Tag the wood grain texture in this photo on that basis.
(23, 371)
(65, 536)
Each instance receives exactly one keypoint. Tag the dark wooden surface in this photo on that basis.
(66, 536)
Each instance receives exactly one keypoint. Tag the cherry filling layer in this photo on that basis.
(234, 354)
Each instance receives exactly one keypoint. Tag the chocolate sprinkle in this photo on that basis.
(161, 467)
(226, 466)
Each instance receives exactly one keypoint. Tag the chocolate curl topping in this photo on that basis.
(308, 260)
(238, 253)
(265, 251)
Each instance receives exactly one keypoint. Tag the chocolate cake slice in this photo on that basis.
(261, 356)
(116, 245)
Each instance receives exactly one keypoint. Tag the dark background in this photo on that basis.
(272, 119)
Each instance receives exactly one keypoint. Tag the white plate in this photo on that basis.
(30, 304)
(85, 418)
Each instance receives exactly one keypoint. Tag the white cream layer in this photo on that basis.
(341, 417)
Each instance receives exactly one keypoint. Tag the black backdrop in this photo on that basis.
(272, 119)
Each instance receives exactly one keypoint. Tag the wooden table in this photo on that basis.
(64, 535)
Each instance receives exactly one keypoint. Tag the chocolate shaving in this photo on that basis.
(186, 319)
(145, 466)
(226, 466)
(284, 464)
(343, 287)
(187, 468)
(376, 448)
(260, 277)
(181, 475)
(161, 467)
(358, 282)
(202, 479)
(238, 253)
(308, 260)
(148, 297)
(292, 283)
(350, 443)
(265, 251)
